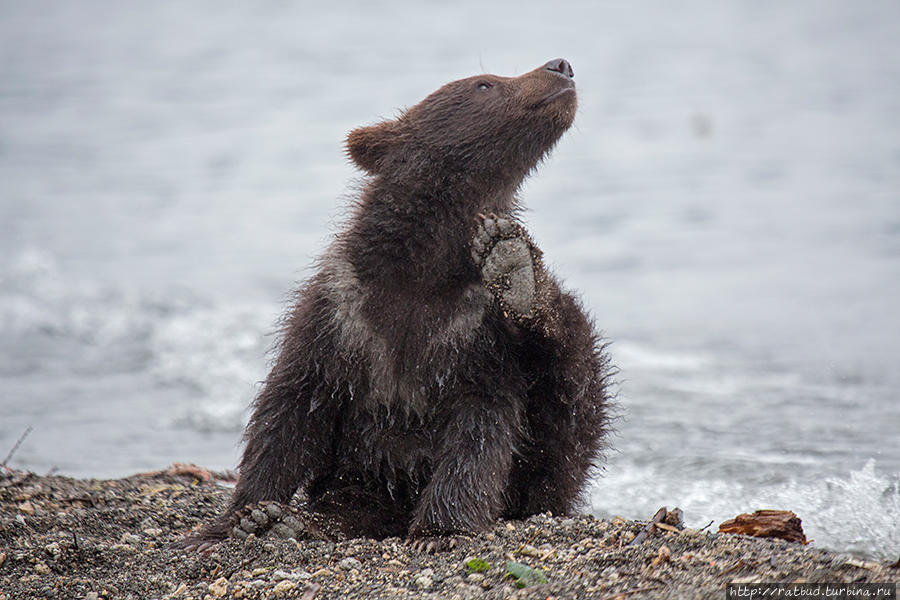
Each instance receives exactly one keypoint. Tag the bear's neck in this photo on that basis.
(419, 240)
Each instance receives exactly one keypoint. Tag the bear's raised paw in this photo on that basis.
(509, 264)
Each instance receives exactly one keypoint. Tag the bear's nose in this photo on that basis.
(560, 65)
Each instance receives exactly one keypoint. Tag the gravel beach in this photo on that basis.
(92, 539)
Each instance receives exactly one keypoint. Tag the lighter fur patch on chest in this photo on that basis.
(411, 387)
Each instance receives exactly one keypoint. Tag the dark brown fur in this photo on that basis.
(403, 400)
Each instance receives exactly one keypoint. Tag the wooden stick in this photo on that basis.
(650, 527)
(16, 447)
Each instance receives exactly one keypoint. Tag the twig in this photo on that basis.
(16, 447)
(740, 563)
(649, 528)
(531, 539)
(707, 525)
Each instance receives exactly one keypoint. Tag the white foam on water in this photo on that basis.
(630, 354)
(858, 513)
(214, 351)
(218, 354)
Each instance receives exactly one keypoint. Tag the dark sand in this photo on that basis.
(70, 538)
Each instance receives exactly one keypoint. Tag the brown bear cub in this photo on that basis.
(432, 376)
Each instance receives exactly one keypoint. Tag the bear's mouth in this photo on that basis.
(551, 97)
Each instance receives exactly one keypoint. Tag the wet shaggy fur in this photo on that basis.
(408, 397)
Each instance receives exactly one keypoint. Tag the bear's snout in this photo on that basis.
(561, 65)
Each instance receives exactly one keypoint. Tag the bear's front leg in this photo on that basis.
(471, 468)
(510, 267)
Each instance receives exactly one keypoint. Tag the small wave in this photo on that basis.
(218, 353)
(52, 324)
(633, 355)
(859, 513)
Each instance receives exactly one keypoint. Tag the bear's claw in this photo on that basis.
(433, 544)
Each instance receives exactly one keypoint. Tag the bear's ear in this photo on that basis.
(368, 146)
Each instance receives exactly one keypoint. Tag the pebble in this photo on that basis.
(130, 538)
(41, 569)
(424, 582)
(350, 563)
(529, 550)
(219, 587)
(280, 575)
(663, 556)
(283, 587)
(27, 508)
(52, 548)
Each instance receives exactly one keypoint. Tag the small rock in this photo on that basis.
(280, 575)
(321, 572)
(52, 548)
(258, 571)
(663, 556)
(283, 587)
(27, 508)
(475, 577)
(41, 569)
(350, 563)
(130, 538)
(2, 558)
(92, 596)
(178, 591)
(153, 532)
(529, 550)
(423, 582)
(219, 587)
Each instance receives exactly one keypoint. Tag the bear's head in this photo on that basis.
(486, 131)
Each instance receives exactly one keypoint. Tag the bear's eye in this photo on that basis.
(483, 85)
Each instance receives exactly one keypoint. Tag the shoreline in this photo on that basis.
(89, 538)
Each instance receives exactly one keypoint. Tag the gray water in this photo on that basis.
(727, 204)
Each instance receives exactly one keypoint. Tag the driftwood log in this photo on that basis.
(782, 524)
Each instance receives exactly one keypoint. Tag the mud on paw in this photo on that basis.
(509, 263)
(274, 518)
